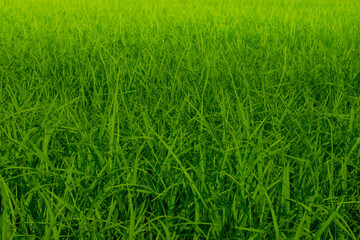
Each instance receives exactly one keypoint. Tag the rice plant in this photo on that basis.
(229, 119)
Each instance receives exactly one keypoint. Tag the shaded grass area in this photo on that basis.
(181, 120)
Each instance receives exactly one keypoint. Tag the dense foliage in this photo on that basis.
(180, 119)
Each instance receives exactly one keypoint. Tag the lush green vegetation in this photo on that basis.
(180, 120)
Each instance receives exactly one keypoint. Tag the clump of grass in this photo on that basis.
(181, 120)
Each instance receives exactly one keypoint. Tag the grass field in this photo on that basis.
(206, 119)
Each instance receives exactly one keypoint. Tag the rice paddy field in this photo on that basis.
(228, 119)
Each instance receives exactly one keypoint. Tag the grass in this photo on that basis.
(180, 120)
